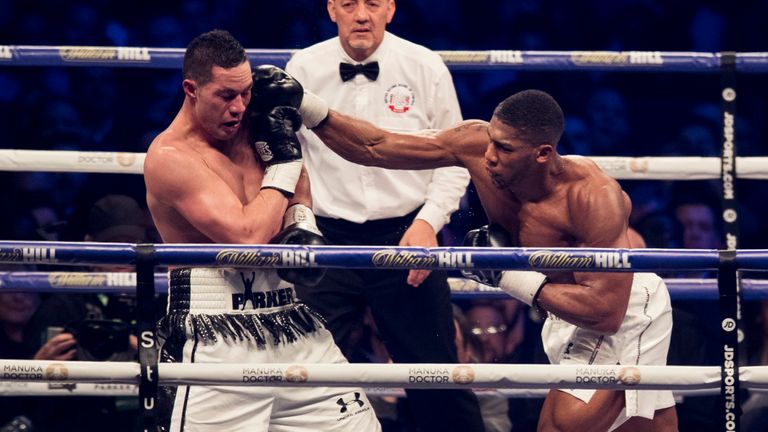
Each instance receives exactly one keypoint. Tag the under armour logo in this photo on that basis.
(344, 405)
(567, 352)
(248, 292)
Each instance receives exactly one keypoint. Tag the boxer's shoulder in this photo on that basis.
(470, 135)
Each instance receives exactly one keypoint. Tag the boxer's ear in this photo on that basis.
(189, 86)
(544, 152)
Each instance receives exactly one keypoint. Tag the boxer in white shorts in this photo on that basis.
(229, 171)
(533, 197)
(642, 339)
(250, 316)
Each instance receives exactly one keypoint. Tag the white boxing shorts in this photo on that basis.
(250, 316)
(642, 339)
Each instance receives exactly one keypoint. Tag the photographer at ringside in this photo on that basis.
(16, 309)
(100, 323)
(92, 327)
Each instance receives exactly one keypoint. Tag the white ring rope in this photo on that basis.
(622, 168)
(430, 375)
(72, 161)
(15, 388)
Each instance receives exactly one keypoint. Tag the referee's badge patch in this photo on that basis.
(399, 98)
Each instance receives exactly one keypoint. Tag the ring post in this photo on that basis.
(145, 297)
(728, 275)
(730, 401)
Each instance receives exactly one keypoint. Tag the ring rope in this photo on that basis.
(171, 58)
(17, 388)
(622, 168)
(421, 375)
(125, 283)
(384, 257)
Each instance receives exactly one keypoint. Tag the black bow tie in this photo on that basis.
(348, 71)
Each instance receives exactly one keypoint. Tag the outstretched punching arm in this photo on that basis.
(360, 141)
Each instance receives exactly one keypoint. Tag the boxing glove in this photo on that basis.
(523, 285)
(273, 86)
(486, 236)
(274, 139)
(300, 229)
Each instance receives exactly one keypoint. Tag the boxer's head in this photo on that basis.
(535, 115)
(523, 135)
(217, 83)
(213, 48)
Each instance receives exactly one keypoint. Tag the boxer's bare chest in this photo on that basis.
(237, 168)
(546, 223)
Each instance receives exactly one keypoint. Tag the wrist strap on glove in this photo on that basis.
(282, 176)
(523, 285)
(313, 110)
(301, 216)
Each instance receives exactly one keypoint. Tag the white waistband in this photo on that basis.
(205, 290)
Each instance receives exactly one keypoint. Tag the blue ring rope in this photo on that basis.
(457, 258)
(125, 283)
(171, 58)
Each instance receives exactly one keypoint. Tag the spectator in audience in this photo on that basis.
(608, 123)
(18, 342)
(692, 335)
(493, 407)
(488, 325)
(21, 338)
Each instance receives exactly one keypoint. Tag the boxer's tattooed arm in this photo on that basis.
(361, 142)
(467, 127)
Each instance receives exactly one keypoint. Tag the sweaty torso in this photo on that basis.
(234, 166)
(551, 221)
(545, 223)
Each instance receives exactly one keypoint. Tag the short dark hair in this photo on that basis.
(535, 114)
(213, 48)
(117, 218)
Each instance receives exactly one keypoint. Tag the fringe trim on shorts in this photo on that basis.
(283, 326)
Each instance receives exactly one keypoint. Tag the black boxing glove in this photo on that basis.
(274, 139)
(524, 285)
(300, 229)
(273, 86)
(486, 236)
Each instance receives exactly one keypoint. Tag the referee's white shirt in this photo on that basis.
(414, 91)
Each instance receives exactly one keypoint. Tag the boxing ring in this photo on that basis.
(20, 376)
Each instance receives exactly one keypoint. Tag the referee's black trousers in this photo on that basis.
(415, 324)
